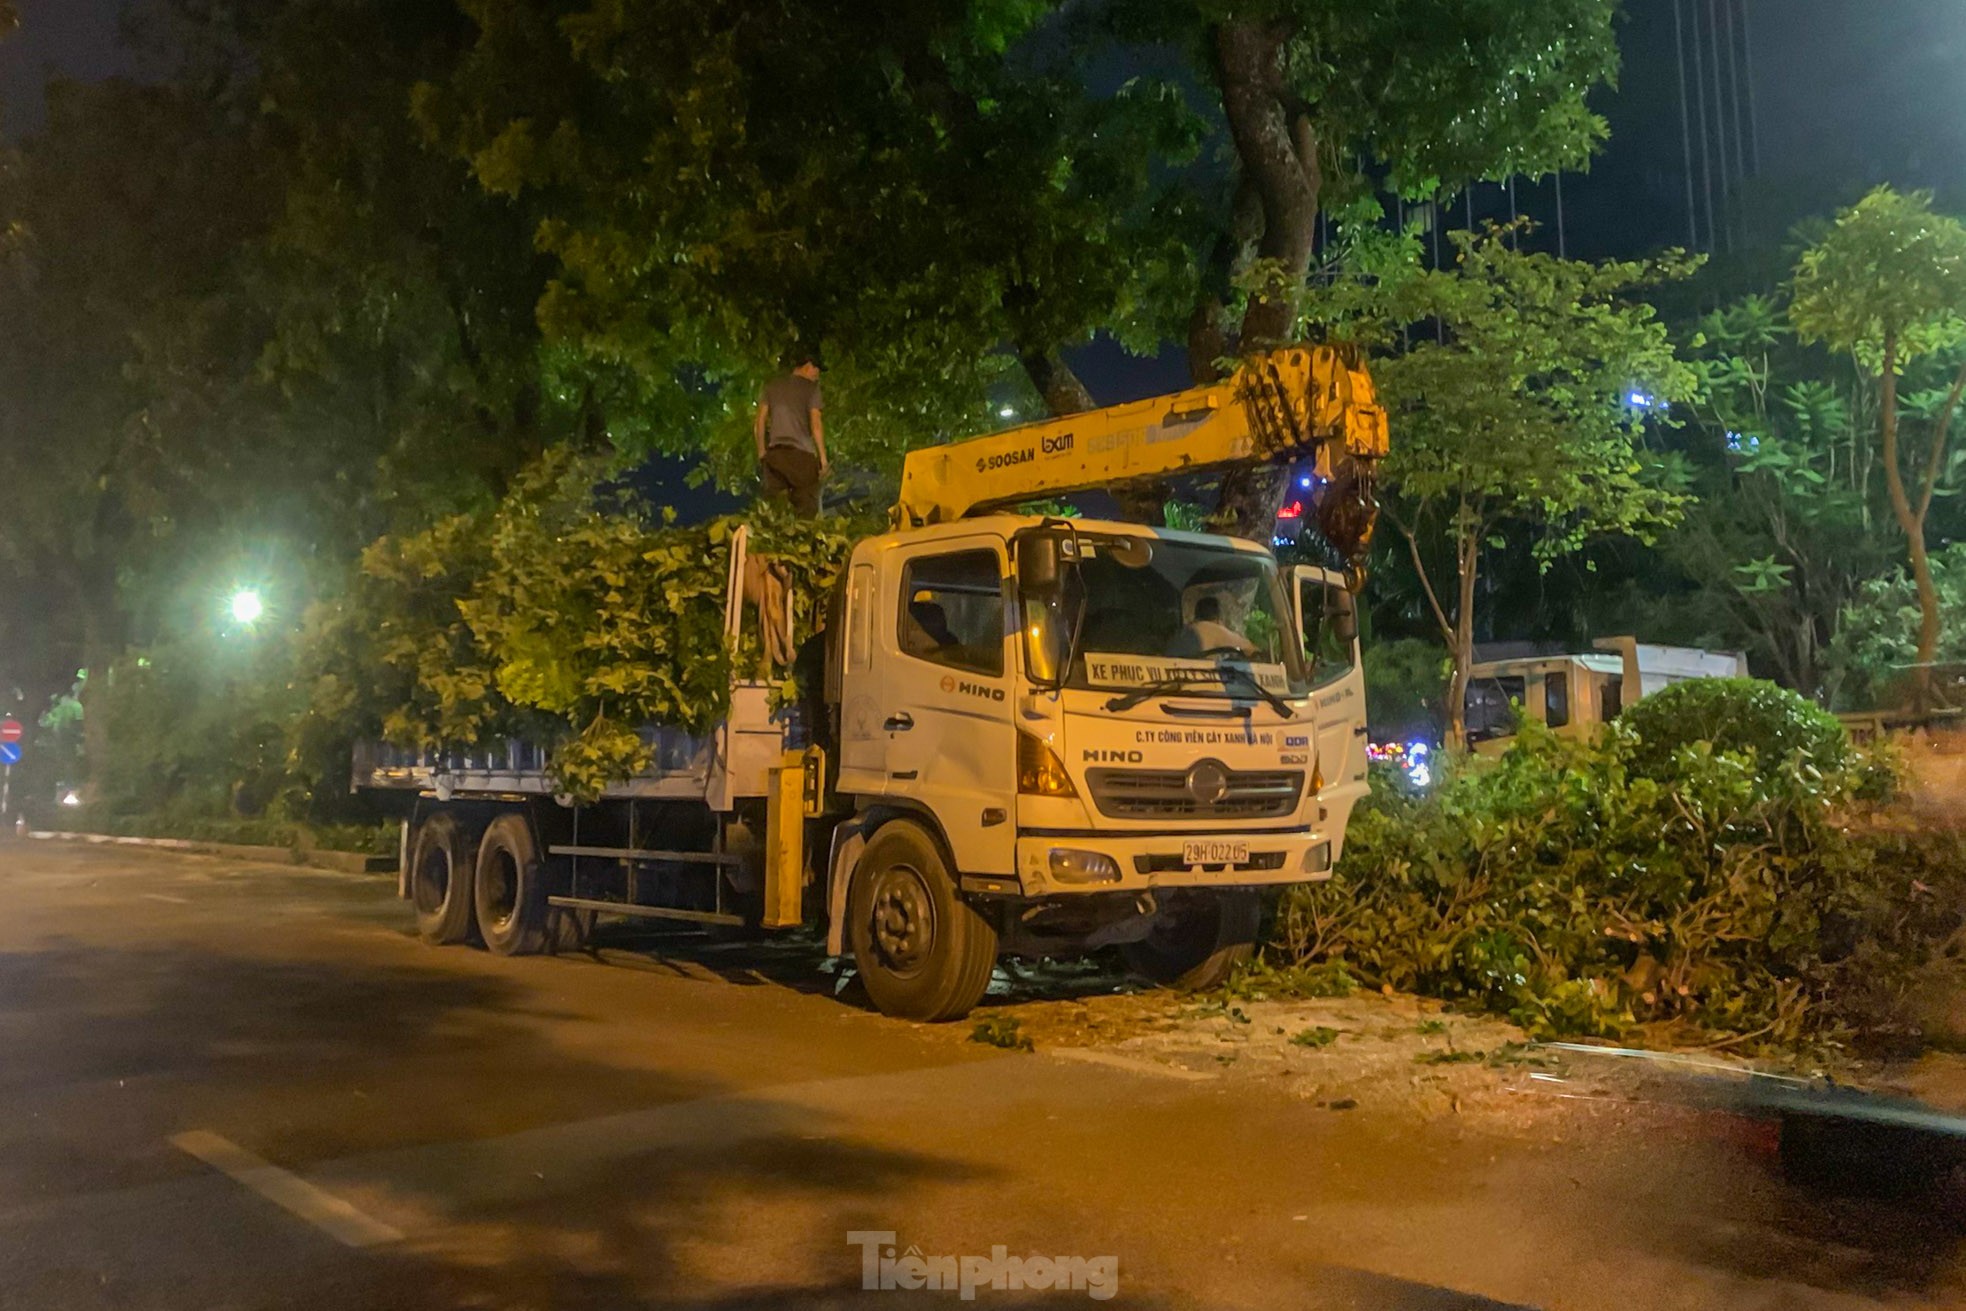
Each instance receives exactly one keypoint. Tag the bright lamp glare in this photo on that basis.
(247, 607)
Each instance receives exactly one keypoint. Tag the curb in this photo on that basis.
(342, 862)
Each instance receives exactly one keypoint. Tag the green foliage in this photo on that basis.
(1786, 523)
(1260, 979)
(1888, 285)
(1439, 94)
(1002, 1031)
(707, 177)
(1776, 728)
(1320, 1036)
(1511, 405)
(362, 839)
(1449, 1056)
(1876, 639)
(1405, 685)
(196, 731)
(1591, 887)
(563, 614)
(1517, 410)
(1185, 516)
(1890, 273)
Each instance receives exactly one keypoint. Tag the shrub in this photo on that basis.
(378, 839)
(1738, 715)
(1594, 887)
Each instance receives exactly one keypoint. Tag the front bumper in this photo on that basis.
(1148, 862)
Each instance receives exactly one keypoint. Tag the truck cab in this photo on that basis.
(1102, 733)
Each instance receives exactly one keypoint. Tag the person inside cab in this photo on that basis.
(1207, 635)
(927, 633)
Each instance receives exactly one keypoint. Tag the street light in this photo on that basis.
(247, 607)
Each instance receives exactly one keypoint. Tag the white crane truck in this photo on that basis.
(1038, 735)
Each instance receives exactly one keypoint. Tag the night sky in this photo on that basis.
(68, 38)
(1847, 93)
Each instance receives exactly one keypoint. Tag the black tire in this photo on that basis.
(509, 889)
(922, 951)
(1198, 939)
(441, 864)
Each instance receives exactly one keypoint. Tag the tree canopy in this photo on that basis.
(1887, 284)
(719, 183)
(1327, 105)
(1520, 385)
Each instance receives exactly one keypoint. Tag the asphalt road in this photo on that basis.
(226, 1085)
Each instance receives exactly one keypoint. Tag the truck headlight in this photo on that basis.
(1072, 865)
(1318, 859)
(1040, 773)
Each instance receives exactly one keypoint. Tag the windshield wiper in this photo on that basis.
(1176, 682)
(1277, 703)
(1159, 687)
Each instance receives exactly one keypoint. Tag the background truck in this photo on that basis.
(1573, 693)
(1036, 735)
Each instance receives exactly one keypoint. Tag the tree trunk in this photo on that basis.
(1277, 151)
(1064, 393)
(1059, 387)
(1250, 496)
(1468, 560)
(1913, 523)
(1208, 340)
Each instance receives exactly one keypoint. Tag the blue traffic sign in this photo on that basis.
(9, 753)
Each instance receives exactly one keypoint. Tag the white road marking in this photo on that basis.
(323, 1210)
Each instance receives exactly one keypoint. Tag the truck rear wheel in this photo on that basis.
(1198, 939)
(509, 889)
(923, 952)
(440, 880)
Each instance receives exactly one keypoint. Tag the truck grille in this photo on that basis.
(1164, 794)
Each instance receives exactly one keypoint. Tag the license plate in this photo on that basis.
(1214, 852)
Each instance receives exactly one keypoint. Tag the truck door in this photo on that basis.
(942, 676)
(1328, 619)
(863, 742)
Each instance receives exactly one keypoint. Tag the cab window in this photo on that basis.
(1556, 700)
(1327, 619)
(952, 610)
(1611, 698)
(1492, 706)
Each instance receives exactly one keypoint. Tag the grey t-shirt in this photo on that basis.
(789, 402)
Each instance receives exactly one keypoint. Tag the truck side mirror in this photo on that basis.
(1037, 564)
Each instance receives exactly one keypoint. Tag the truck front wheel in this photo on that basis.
(440, 880)
(1198, 939)
(510, 890)
(922, 951)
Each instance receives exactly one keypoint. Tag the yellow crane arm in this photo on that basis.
(1283, 405)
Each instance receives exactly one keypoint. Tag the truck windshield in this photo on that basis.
(1149, 610)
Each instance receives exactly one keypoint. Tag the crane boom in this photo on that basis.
(1283, 405)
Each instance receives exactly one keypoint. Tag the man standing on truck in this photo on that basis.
(791, 435)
